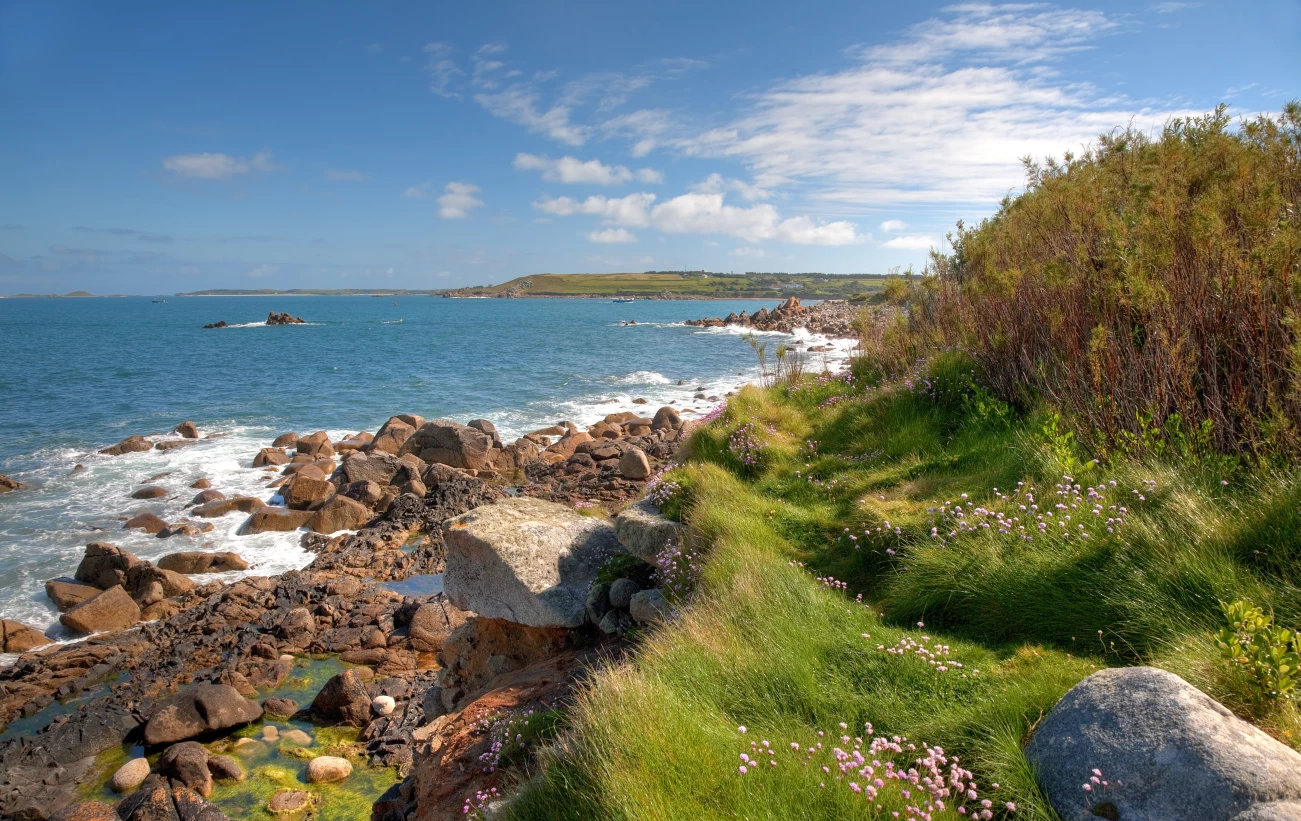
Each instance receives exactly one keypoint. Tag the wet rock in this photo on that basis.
(201, 483)
(365, 491)
(144, 574)
(16, 637)
(343, 700)
(648, 607)
(172, 444)
(149, 492)
(1169, 750)
(195, 562)
(147, 522)
(187, 430)
(242, 504)
(104, 565)
(298, 737)
(68, 593)
(644, 531)
(221, 323)
(183, 529)
(129, 775)
(316, 445)
(306, 493)
(274, 318)
(284, 707)
(666, 418)
(525, 560)
(197, 710)
(328, 768)
(291, 801)
(621, 593)
(340, 513)
(379, 468)
(7, 484)
(286, 440)
(225, 768)
(111, 610)
(187, 763)
(206, 496)
(131, 444)
(269, 457)
(275, 520)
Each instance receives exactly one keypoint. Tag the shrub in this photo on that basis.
(1266, 654)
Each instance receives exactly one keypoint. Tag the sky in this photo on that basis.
(165, 147)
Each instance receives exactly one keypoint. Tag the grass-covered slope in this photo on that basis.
(713, 286)
(802, 498)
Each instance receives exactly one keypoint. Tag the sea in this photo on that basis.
(79, 374)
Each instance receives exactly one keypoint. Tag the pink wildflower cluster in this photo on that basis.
(746, 446)
(504, 729)
(930, 783)
(936, 655)
(476, 805)
(661, 492)
(677, 570)
(712, 414)
(583, 504)
(1071, 512)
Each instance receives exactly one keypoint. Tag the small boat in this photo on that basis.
(160, 301)
(622, 300)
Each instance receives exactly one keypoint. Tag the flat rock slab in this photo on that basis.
(1167, 750)
(644, 531)
(526, 561)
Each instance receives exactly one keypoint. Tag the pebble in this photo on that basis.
(270, 733)
(129, 775)
(328, 768)
(298, 737)
(383, 705)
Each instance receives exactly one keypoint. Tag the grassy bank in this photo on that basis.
(693, 286)
(802, 498)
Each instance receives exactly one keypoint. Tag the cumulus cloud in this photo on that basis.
(701, 213)
(612, 235)
(718, 184)
(592, 172)
(890, 226)
(912, 242)
(216, 166)
(458, 200)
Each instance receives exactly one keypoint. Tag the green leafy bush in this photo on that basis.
(1265, 653)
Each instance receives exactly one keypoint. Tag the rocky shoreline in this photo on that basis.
(833, 318)
(171, 659)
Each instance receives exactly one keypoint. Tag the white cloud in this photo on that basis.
(942, 114)
(748, 251)
(458, 200)
(519, 104)
(890, 226)
(610, 235)
(1171, 8)
(264, 271)
(718, 184)
(700, 213)
(216, 166)
(418, 192)
(912, 242)
(593, 172)
(442, 69)
(340, 175)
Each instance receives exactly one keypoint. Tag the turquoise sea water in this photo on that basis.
(80, 374)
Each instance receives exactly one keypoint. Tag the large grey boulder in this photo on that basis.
(197, 710)
(644, 531)
(1167, 750)
(526, 561)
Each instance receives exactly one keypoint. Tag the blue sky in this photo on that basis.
(160, 147)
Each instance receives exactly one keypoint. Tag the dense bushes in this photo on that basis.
(1148, 288)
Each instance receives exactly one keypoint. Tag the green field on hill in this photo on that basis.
(706, 286)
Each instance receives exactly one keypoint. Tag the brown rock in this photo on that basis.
(147, 522)
(243, 504)
(197, 710)
(634, 464)
(450, 443)
(68, 593)
(291, 801)
(391, 436)
(7, 484)
(187, 430)
(274, 520)
(666, 418)
(203, 497)
(433, 623)
(306, 493)
(569, 443)
(343, 700)
(340, 513)
(143, 574)
(187, 763)
(285, 440)
(316, 445)
(16, 637)
(114, 609)
(193, 562)
(172, 444)
(131, 444)
(151, 492)
(104, 565)
(86, 811)
(201, 484)
(365, 491)
(270, 456)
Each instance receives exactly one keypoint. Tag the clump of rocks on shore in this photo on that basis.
(172, 658)
(834, 318)
(273, 318)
